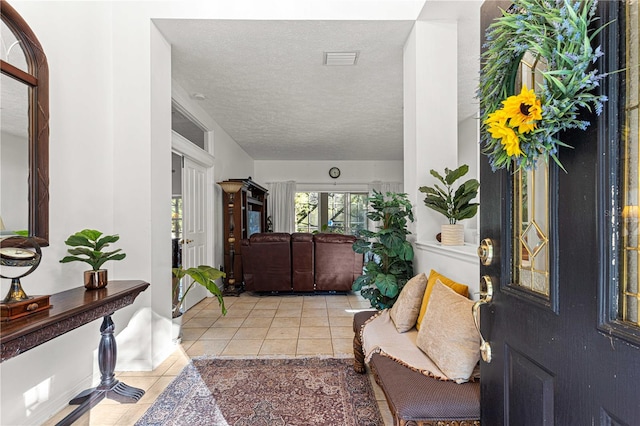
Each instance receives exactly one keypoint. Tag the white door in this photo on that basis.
(194, 241)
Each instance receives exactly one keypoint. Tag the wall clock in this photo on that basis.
(334, 172)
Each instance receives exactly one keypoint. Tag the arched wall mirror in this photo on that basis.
(24, 126)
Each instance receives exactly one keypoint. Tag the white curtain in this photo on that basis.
(281, 205)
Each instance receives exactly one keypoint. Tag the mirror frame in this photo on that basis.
(37, 79)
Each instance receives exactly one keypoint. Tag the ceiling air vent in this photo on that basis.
(333, 59)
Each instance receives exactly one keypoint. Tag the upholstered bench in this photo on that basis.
(416, 399)
(413, 396)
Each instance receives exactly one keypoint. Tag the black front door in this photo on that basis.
(563, 324)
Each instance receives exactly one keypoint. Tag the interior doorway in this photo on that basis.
(191, 196)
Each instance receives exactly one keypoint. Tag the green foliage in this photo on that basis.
(456, 205)
(205, 276)
(87, 246)
(560, 35)
(388, 254)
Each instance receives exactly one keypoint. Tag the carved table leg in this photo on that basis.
(358, 355)
(109, 387)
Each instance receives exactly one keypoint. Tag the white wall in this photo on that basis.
(40, 381)
(434, 136)
(314, 175)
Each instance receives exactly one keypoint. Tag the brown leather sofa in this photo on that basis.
(300, 262)
(266, 261)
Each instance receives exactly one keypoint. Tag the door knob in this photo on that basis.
(187, 241)
(485, 251)
(486, 296)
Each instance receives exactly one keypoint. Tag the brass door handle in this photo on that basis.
(485, 251)
(183, 241)
(486, 296)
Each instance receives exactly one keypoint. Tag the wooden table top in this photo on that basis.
(70, 309)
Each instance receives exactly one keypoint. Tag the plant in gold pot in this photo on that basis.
(89, 246)
(455, 204)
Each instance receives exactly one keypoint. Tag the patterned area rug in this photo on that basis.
(266, 392)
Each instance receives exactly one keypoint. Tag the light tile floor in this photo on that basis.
(255, 326)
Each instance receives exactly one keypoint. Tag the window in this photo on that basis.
(339, 212)
(629, 293)
(531, 207)
(186, 127)
(176, 217)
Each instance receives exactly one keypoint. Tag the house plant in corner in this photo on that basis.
(205, 276)
(454, 205)
(388, 254)
(87, 246)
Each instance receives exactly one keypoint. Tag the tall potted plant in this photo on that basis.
(203, 275)
(88, 246)
(454, 205)
(388, 254)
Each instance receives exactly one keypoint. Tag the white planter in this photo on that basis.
(176, 329)
(452, 235)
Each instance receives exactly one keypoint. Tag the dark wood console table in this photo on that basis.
(72, 309)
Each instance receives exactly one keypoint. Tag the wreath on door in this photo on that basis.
(517, 129)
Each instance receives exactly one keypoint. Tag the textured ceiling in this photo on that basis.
(266, 86)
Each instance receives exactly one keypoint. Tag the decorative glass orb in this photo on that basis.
(19, 256)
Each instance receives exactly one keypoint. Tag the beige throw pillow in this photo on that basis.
(404, 312)
(448, 335)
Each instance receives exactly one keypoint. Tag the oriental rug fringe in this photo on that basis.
(266, 392)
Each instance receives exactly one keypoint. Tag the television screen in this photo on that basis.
(254, 222)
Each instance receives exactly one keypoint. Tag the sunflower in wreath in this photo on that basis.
(518, 129)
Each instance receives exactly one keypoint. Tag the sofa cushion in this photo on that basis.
(302, 257)
(433, 276)
(404, 312)
(336, 264)
(412, 396)
(449, 335)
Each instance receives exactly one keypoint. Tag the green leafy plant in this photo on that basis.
(454, 205)
(88, 245)
(205, 276)
(388, 254)
(560, 35)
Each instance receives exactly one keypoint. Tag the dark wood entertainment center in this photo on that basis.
(249, 216)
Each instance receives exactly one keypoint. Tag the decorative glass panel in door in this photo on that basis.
(531, 206)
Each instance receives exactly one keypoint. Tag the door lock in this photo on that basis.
(485, 251)
(187, 241)
(486, 296)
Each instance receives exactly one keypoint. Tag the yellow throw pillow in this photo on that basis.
(433, 276)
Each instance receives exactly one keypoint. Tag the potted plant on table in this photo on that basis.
(454, 205)
(87, 246)
(388, 255)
